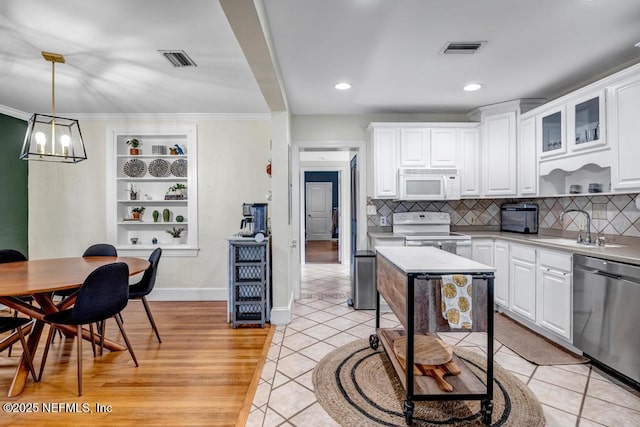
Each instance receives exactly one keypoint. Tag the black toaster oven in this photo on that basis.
(519, 217)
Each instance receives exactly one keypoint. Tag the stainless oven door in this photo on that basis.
(453, 246)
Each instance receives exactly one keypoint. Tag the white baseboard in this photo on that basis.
(188, 294)
(282, 315)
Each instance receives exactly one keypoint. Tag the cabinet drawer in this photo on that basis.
(556, 260)
(523, 253)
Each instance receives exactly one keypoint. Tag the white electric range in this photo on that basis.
(431, 229)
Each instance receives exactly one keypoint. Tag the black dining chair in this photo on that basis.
(104, 294)
(11, 255)
(144, 287)
(16, 323)
(99, 249)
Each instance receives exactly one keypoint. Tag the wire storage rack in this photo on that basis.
(249, 281)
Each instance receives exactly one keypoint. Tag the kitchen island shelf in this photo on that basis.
(409, 279)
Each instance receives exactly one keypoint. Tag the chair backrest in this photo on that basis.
(101, 249)
(11, 255)
(104, 293)
(148, 280)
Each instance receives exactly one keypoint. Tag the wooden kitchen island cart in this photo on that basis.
(410, 280)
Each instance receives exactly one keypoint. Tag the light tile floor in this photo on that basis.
(571, 395)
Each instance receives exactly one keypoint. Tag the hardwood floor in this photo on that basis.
(204, 372)
(321, 251)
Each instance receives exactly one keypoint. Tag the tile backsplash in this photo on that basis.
(614, 215)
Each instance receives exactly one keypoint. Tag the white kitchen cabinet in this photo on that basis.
(586, 127)
(499, 154)
(154, 175)
(555, 292)
(527, 159)
(551, 132)
(522, 281)
(482, 251)
(501, 263)
(469, 163)
(624, 132)
(414, 148)
(385, 163)
(443, 148)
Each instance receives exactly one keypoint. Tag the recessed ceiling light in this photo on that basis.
(472, 86)
(342, 86)
(637, 44)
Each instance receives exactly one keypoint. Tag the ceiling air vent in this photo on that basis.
(178, 58)
(462, 48)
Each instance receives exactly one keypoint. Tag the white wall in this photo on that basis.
(67, 203)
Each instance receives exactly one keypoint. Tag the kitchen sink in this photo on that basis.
(573, 243)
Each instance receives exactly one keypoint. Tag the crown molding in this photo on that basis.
(167, 116)
(8, 111)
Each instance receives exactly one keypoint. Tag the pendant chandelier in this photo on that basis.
(51, 138)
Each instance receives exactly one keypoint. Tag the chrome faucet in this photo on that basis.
(587, 240)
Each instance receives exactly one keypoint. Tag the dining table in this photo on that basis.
(41, 278)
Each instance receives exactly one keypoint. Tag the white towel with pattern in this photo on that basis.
(456, 300)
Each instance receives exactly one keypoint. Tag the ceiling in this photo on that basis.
(389, 50)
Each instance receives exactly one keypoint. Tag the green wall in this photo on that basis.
(14, 213)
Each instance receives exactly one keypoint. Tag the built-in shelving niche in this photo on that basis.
(558, 181)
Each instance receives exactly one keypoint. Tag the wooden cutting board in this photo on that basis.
(427, 350)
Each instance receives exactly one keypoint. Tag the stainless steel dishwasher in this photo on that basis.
(606, 313)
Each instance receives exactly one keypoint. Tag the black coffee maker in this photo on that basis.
(255, 219)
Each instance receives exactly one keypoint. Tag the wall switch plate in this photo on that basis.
(371, 210)
(383, 220)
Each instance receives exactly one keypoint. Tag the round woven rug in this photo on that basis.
(358, 386)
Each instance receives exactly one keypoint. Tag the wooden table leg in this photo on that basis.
(22, 372)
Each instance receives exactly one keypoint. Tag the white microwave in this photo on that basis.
(429, 184)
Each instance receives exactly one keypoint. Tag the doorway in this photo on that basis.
(322, 231)
(331, 156)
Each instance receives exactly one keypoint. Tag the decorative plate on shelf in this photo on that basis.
(179, 168)
(135, 168)
(159, 168)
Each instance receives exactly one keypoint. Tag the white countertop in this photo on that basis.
(425, 259)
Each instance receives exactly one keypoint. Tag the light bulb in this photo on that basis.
(41, 140)
(65, 140)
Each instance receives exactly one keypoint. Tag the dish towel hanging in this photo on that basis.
(456, 300)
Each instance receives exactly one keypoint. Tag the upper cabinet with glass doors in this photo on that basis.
(551, 132)
(573, 127)
(586, 122)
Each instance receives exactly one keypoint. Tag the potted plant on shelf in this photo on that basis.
(176, 192)
(176, 233)
(136, 212)
(133, 144)
(133, 193)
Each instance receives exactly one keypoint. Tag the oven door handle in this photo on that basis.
(421, 243)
